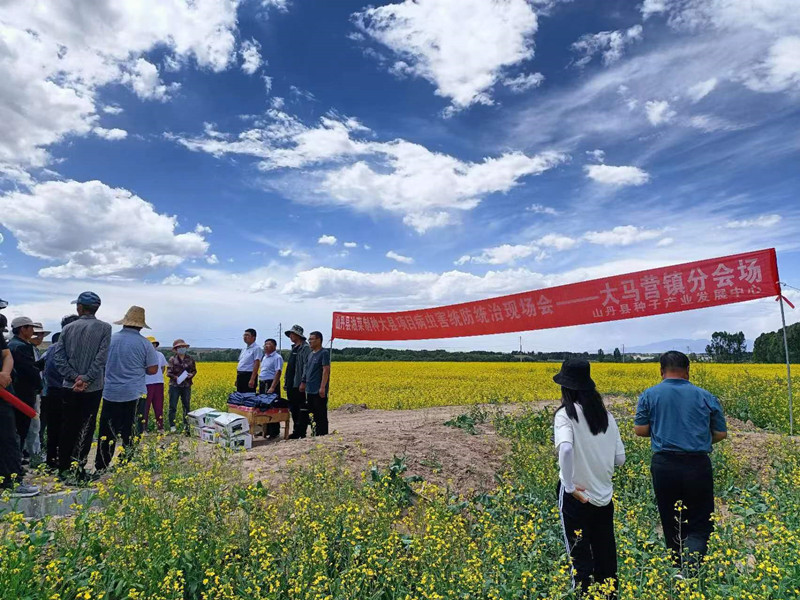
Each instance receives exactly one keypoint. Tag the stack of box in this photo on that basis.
(226, 429)
(233, 431)
(195, 420)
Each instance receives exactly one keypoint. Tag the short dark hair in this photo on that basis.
(90, 308)
(3, 321)
(318, 334)
(271, 340)
(68, 319)
(674, 361)
(252, 332)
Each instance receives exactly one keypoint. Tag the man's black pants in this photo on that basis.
(79, 415)
(243, 382)
(688, 479)
(23, 422)
(318, 407)
(298, 406)
(51, 416)
(594, 550)
(117, 419)
(273, 429)
(10, 452)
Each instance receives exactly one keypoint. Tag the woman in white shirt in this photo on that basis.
(589, 446)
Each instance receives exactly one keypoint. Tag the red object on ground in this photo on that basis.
(26, 410)
(688, 286)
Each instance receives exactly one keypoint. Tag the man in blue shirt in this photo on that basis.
(131, 356)
(682, 422)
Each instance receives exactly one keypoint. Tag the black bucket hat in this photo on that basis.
(575, 374)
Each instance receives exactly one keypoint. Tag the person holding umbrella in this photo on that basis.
(589, 447)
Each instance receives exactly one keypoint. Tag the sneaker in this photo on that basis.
(173, 429)
(25, 490)
(26, 460)
(296, 436)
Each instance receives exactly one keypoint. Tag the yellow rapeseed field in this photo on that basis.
(748, 391)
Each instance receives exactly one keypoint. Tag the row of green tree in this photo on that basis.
(769, 348)
(725, 347)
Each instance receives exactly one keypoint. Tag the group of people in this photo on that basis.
(308, 371)
(87, 370)
(682, 422)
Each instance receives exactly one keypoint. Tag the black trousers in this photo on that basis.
(10, 452)
(117, 419)
(594, 551)
(688, 479)
(23, 422)
(51, 416)
(185, 395)
(273, 429)
(243, 382)
(298, 406)
(318, 406)
(79, 415)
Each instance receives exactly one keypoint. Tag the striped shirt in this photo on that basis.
(83, 351)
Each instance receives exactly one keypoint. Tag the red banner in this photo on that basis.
(689, 286)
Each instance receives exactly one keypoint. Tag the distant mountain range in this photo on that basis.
(698, 346)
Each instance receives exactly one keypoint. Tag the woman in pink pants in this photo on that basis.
(155, 394)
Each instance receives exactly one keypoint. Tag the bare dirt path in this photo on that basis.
(443, 455)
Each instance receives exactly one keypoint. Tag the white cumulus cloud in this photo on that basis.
(425, 188)
(523, 82)
(177, 280)
(609, 44)
(460, 46)
(780, 70)
(262, 285)
(623, 235)
(89, 229)
(618, 176)
(110, 134)
(350, 245)
(327, 240)
(658, 112)
(250, 52)
(406, 260)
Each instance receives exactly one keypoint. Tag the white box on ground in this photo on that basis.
(208, 418)
(230, 425)
(208, 434)
(195, 418)
(239, 442)
(195, 431)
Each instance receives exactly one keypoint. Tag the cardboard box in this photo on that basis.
(208, 418)
(239, 442)
(208, 434)
(195, 418)
(229, 425)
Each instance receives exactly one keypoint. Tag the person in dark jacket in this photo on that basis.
(295, 388)
(27, 380)
(52, 413)
(11, 470)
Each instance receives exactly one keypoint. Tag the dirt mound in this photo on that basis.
(447, 456)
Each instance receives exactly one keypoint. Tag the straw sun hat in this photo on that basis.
(133, 318)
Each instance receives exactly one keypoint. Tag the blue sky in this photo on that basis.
(228, 164)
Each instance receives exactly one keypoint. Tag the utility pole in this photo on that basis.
(623, 352)
(520, 348)
(280, 337)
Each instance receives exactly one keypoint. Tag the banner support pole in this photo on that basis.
(788, 367)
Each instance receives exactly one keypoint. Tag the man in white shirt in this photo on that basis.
(249, 363)
(269, 379)
(155, 393)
